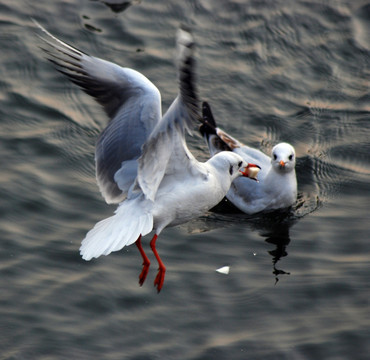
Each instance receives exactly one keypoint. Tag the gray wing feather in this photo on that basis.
(165, 153)
(131, 101)
(119, 146)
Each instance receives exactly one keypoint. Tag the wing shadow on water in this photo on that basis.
(273, 226)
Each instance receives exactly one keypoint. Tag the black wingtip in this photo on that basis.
(186, 70)
(208, 126)
(207, 114)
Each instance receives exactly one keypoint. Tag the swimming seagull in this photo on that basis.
(277, 186)
(142, 161)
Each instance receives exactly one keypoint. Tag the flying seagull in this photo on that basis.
(142, 160)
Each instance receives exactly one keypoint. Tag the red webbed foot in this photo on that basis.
(159, 279)
(146, 262)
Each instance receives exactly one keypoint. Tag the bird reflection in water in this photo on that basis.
(274, 227)
(280, 238)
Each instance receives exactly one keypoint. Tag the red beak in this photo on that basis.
(251, 171)
(282, 164)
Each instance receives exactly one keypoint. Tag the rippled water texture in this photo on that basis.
(299, 281)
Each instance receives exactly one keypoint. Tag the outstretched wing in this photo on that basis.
(131, 101)
(165, 153)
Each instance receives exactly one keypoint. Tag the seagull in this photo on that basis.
(142, 161)
(277, 182)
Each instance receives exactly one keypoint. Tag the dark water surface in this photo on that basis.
(299, 282)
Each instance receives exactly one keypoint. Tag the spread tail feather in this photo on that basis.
(117, 231)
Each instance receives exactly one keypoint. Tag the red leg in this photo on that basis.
(159, 280)
(146, 262)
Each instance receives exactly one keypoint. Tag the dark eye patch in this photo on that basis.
(275, 157)
(290, 157)
(231, 170)
(240, 163)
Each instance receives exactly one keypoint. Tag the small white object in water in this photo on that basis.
(224, 270)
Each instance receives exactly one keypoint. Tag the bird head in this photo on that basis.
(283, 157)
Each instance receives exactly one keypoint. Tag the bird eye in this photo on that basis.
(275, 157)
(290, 157)
(240, 163)
(231, 170)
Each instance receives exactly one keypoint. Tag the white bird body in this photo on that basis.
(277, 184)
(176, 204)
(142, 161)
(177, 201)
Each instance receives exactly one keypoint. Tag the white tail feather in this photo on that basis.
(122, 229)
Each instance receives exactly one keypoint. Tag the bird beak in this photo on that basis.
(251, 171)
(282, 164)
